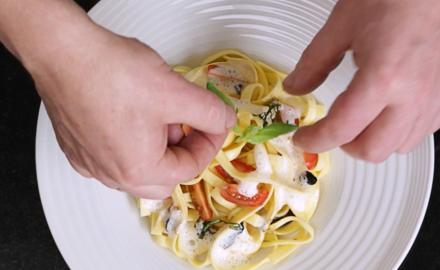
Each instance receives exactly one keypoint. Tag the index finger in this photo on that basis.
(349, 115)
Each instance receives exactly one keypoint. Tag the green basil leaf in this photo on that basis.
(237, 130)
(248, 133)
(210, 86)
(255, 135)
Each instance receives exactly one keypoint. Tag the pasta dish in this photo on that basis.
(253, 203)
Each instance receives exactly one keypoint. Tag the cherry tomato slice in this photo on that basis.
(198, 196)
(239, 165)
(225, 176)
(231, 194)
(310, 159)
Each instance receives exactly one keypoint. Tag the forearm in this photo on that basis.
(37, 31)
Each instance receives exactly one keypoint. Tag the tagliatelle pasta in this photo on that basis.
(253, 203)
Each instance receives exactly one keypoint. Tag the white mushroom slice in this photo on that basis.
(289, 114)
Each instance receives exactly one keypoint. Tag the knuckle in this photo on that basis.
(183, 175)
(403, 150)
(174, 177)
(161, 195)
(180, 172)
(386, 79)
(216, 110)
(307, 59)
(365, 152)
(158, 192)
(374, 156)
(339, 135)
(132, 176)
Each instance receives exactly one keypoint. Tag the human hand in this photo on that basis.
(392, 102)
(116, 108)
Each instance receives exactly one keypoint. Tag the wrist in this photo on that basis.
(39, 33)
(57, 45)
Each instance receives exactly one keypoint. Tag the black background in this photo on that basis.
(25, 239)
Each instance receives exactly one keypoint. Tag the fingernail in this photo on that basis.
(297, 140)
(231, 118)
(289, 82)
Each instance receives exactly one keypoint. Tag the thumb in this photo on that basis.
(198, 108)
(323, 54)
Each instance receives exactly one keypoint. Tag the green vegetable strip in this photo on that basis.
(255, 135)
(210, 86)
(235, 226)
(207, 226)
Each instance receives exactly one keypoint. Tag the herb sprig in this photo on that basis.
(271, 113)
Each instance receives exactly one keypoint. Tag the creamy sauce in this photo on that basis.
(248, 188)
(190, 243)
(262, 160)
(284, 169)
(264, 168)
(302, 203)
(149, 206)
(233, 249)
(285, 146)
(288, 114)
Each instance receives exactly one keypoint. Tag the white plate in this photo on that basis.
(368, 215)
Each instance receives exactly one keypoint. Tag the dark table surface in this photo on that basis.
(25, 239)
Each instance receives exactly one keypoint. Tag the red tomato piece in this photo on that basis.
(231, 194)
(239, 165)
(211, 66)
(310, 159)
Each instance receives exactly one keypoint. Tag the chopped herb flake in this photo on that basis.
(207, 226)
(271, 113)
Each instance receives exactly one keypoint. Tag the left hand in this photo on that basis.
(392, 103)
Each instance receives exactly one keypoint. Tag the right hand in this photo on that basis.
(116, 108)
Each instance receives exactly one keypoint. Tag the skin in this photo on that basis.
(392, 102)
(115, 105)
